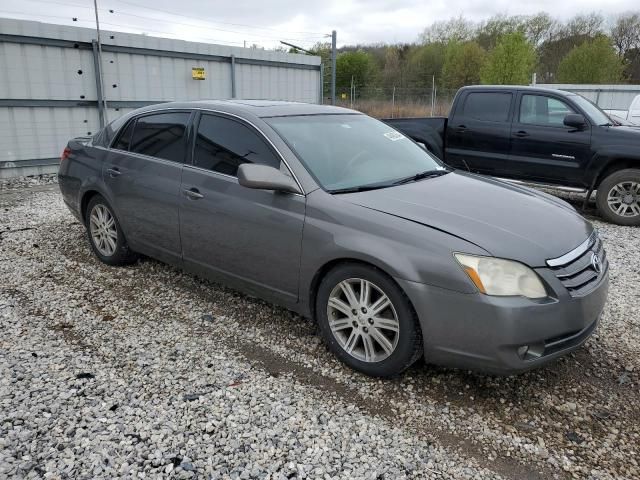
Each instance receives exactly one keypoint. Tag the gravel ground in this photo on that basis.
(147, 371)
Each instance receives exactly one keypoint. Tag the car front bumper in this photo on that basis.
(503, 335)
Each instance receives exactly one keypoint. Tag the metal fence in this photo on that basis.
(50, 88)
(390, 102)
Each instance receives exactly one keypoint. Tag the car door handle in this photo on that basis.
(193, 193)
(461, 128)
(521, 134)
(113, 172)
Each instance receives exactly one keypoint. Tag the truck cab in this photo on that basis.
(543, 136)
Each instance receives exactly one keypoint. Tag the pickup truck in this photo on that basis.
(538, 135)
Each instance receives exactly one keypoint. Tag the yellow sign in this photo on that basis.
(344, 96)
(197, 73)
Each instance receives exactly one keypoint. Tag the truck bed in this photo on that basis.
(429, 131)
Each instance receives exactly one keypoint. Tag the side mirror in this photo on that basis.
(575, 120)
(263, 177)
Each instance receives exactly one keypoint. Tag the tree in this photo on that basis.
(489, 32)
(462, 64)
(456, 29)
(540, 28)
(423, 62)
(358, 65)
(625, 33)
(511, 63)
(595, 61)
(589, 25)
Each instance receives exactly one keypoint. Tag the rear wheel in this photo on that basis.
(618, 197)
(367, 321)
(105, 235)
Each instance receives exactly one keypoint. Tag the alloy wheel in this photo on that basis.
(104, 232)
(624, 199)
(363, 320)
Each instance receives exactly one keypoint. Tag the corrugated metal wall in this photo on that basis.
(49, 92)
(608, 97)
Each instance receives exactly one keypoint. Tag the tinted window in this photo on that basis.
(161, 135)
(125, 137)
(490, 107)
(541, 110)
(223, 144)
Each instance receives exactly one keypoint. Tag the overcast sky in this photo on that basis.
(265, 22)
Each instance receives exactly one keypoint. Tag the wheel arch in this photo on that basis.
(84, 202)
(330, 265)
(614, 165)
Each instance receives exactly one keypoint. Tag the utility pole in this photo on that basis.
(333, 67)
(351, 92)
(105, 118)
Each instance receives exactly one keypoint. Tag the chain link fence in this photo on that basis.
(397, 102)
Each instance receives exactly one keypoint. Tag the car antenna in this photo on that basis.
(466, 165)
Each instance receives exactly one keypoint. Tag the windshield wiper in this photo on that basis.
(361, 188)
(421, 176)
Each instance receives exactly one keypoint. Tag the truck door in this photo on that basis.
(478, 132)
(542, 147)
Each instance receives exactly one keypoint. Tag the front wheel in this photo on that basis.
(618, 197)
(367, 321)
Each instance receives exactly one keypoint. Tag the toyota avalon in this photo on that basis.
(343, 219)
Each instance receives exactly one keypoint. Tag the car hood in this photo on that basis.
(506, 220)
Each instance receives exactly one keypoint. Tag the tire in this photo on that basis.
(356, 339)
(101, 223)
(618, 197)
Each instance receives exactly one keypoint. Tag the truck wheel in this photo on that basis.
(618, 197)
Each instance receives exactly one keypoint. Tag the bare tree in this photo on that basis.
(625, 33)
(588, 25)
(540, 28)
(457, 29)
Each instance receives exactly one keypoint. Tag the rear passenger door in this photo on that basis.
(479, 131)
(250, 238)
(142, 174)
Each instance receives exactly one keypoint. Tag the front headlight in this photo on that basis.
(495, 276)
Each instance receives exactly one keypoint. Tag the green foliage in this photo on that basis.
(511, 63)
(594, 61)
(462, 64)
(423, 62)
(357, 64)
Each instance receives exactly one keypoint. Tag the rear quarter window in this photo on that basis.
(487, 106)
(124, 138)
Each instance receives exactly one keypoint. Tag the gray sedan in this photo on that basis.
(341, 218)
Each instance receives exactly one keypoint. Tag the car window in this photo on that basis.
(122, 143)
(222, 145)
(352, 150)
(487, 106)
(161, 135)
(543, 110)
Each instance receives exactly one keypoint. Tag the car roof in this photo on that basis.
(258, 108)
(525, 88)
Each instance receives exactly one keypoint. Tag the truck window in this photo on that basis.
(487, 106)
(543, 110)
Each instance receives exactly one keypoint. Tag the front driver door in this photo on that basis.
(250, 237)
(542, 147)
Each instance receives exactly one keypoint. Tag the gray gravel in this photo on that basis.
(147, 371)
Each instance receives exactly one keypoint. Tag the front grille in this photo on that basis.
(576, 269)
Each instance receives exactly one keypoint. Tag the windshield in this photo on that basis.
(352, 151)
(596, 115)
